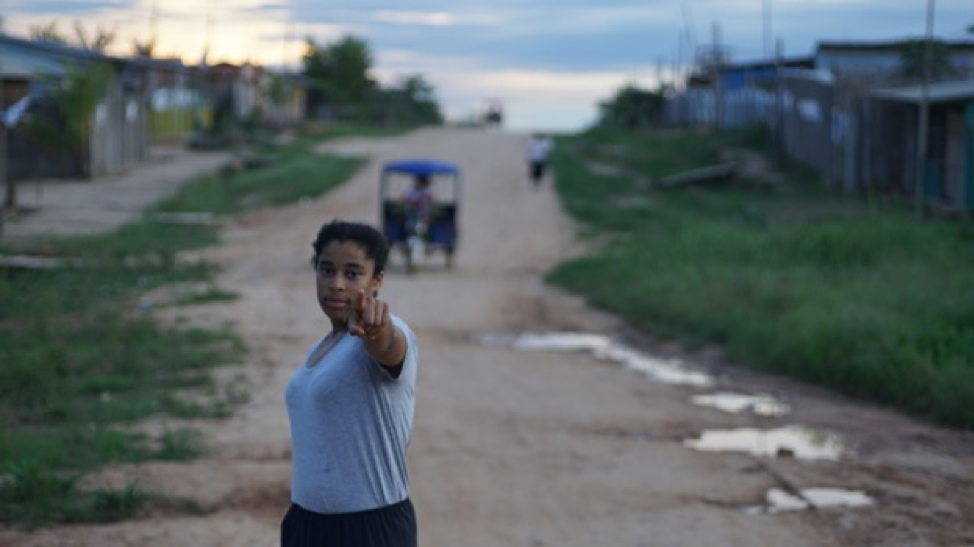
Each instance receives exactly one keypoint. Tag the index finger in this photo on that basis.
(360, 300)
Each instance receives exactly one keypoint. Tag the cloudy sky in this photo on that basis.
(548, 61)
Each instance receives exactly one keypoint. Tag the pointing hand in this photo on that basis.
(368, 316)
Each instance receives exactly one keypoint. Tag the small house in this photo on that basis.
(31, 73)
(947, 170)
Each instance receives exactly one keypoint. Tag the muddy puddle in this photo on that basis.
(779, 501)
(738, 403)
(784, 442)
(666, 370)
(791, 441)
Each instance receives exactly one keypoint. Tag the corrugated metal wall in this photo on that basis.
(854, 142)
(120, 132)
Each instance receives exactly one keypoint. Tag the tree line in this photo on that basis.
(342, 88)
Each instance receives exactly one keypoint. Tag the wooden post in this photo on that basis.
(924, 116)
(718, 80)
(10, 197)
(778, 123)
(866, 152)
(968, 189)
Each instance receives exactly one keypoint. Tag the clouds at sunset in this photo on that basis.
(575, 51)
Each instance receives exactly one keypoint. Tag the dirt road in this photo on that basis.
(79, 207)
(517, 445)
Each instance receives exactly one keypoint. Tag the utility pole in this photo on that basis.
(208, 29)
(688, 44)
(284, 38)
(660, 73)
(718, 67)
(202, 72)
(767, 28)
(10, 198)
(3, 140)
(153, 21)
(924, 115)
(778, 135)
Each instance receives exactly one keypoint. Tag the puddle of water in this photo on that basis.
(790, 441)
(564, 341)
(779, 501)
(735, 403)
(669, 371)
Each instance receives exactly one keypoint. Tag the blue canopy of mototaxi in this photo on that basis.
(420, 167)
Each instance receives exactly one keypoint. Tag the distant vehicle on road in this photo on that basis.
(419, 205)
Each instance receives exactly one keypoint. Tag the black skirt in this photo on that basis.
(392, 526)
(537, 170)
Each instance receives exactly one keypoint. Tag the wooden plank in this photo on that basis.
(711, 173)
(27, 262)
(185, 218)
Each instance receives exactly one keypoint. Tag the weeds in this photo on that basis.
(33, 496)
(867, 301)
(83, 356)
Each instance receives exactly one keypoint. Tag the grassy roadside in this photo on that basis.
(789, 279)
(82, 357)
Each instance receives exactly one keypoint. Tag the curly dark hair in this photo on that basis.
(374, 243)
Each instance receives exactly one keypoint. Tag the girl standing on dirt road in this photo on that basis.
(350, 405)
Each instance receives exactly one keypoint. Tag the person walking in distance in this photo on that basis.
(350, 405)
(538, 149)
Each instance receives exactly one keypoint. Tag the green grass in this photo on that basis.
(83, 357)
(305, 175)
(865, 300)
(180, 445)
(32, 496)
(80, 360)
(292, 173)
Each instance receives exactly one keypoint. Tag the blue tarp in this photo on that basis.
(12, 115)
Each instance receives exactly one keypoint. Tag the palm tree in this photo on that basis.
(99, 40)
(144, 49)
(47, 33)
(76, 97)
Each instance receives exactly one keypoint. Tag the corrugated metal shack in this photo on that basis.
(29, 71)
(852, 116)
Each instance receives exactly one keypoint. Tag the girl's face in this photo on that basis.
(343, 270)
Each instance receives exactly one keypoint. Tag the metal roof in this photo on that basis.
(22, 58)
(941, 92)
(887, 45)
(18, 63)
